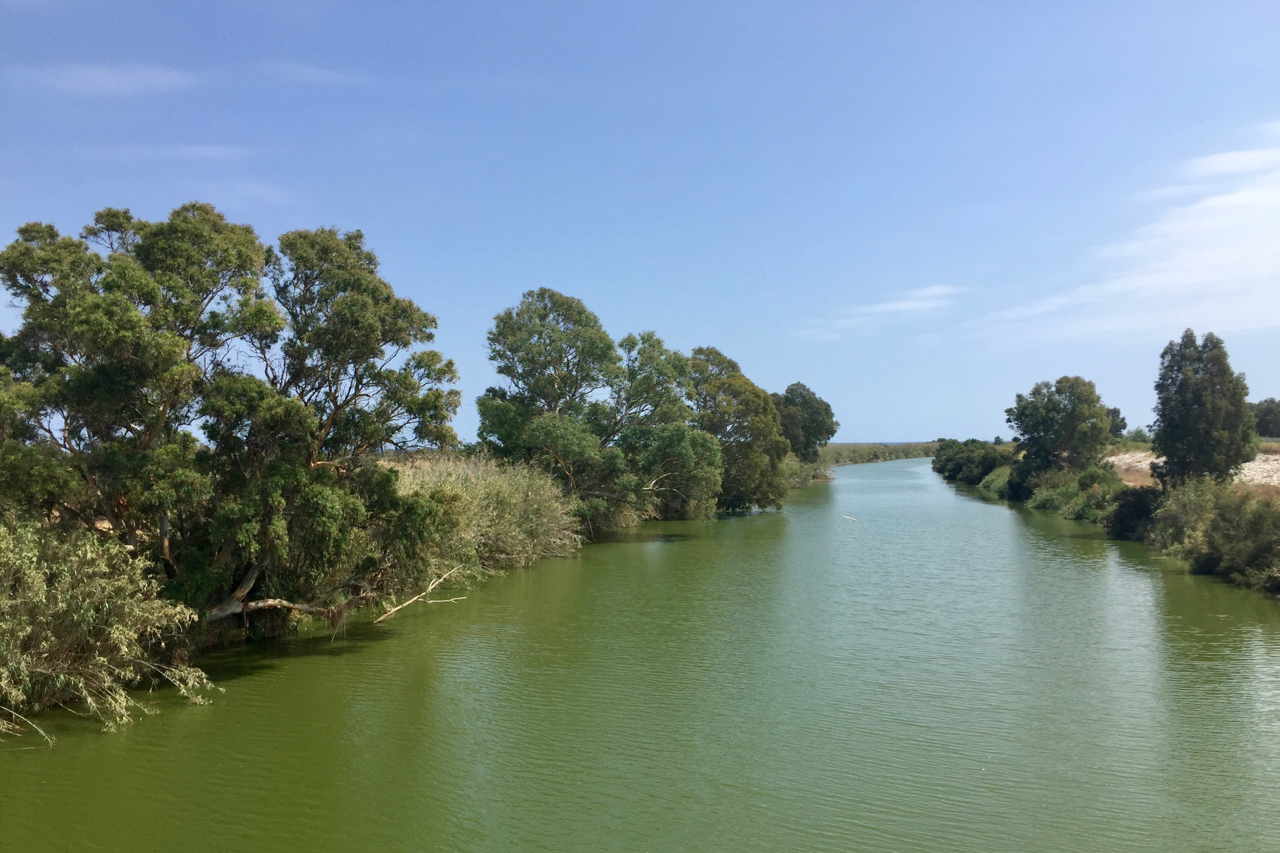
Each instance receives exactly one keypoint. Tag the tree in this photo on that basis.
(1266, 414)
(1118, 423)
(608, 420)
(807, 420)
(122, 358)
(742, 417)
(1203, 425)
(1060, 425)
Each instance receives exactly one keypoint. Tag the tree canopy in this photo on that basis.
(1266, 414)
(632, 428)
(1204, 426)
(1060, 426)
(807, 420)
(297, 365)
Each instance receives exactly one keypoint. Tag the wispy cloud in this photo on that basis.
(913, 302)
(1234, 162)
(1211, 262)
(100, 80)
(301, 72)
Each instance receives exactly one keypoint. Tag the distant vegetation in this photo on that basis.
(1204, 432)
(856, 454)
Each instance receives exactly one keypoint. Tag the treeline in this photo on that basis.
(1204, 431)
(202, 435)
(633, 429)
(857, 454)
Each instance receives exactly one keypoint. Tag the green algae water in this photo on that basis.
(943, 674)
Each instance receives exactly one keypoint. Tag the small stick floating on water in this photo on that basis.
(851, 518)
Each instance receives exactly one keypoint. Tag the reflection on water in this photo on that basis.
(944, 674)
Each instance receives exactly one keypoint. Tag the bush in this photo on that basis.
(80, 622)
(799, 474)
(1221, 530)
(972, 460)
(501, 515)
(1134, 509)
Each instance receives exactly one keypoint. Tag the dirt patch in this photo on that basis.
(1135, 470)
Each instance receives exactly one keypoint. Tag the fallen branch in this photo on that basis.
(435, 583)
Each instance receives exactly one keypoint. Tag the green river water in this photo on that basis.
(943, 674)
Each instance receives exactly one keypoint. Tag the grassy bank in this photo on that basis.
(1228, 530)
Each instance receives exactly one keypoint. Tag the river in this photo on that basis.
(943, 674)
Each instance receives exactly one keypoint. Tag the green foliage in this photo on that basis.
(608, 421)
(1222, 530)
(1133, 513)
(1061, 425)
(500, 515)
(1087, 495)
(1137, 435)
(1204, 427)
(742, 417)
(972, 461)
(856, 454)
(81, 622)
(1266, 415)
(1118, 423)
(807, 420)
(299, 366)
(997, 482)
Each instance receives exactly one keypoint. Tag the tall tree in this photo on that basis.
(742, 417)
(608, 420)
(807, 420)
(121, 357)
(1118, 423)
(1266, 414)
(1203, 424)
(1061, 425)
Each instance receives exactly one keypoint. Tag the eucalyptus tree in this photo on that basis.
(807, 420)
(297, 366)
(608, 419)
(743, 419)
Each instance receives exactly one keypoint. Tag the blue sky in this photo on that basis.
(917, 209)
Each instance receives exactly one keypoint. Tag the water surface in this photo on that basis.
(943, 674)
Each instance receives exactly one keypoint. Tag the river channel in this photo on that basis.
(943, 674)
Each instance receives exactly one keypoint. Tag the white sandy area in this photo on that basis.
(1264, 470)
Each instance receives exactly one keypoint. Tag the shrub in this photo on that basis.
(80, 622)
(1131, 518)
(503, 515)
(972, 460)
(1222, 530)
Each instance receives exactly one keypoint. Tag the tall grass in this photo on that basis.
(501, 516)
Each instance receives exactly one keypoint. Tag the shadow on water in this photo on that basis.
(235, 661)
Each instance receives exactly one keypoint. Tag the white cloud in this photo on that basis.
(1234, 162)
(101, 80)
(913, 302)
(923, 299)
(1211, 263)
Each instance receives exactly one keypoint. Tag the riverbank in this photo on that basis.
(1230, 530)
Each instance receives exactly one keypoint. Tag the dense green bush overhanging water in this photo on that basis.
(1204, 432)
(203, 436)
